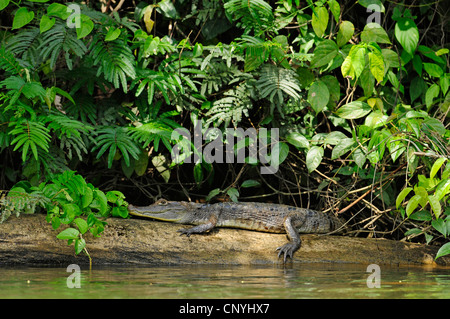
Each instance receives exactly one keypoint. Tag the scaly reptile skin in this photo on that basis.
(264, 217)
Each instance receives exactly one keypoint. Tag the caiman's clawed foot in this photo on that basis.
(288, 250)
(185, 231)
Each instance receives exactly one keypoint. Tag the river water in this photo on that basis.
(203, 282)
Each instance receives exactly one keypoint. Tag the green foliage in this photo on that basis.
(114, 139)
(68, 200)
(114, 59)
(354, 100)
(29, 135)
(429, 193)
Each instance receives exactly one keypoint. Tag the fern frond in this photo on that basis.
(29, 134)
(8, 62)
(19, 200)
(70, 132)
(83, 109)
(61, 38)
(25, 44)
(165, 82)
(155, 132)
(115, 138)
(275, 81)
(236, 103)
(218, 74)
(253, 14)
(64, 125)
(115, 59)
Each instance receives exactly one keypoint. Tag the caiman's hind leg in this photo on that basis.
(295, 242)
(200, 228)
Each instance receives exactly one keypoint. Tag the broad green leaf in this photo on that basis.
(413, 231)
(324, 53)
(417, 88)
(3, 4)
(440, 226)
(444, 250)
(233, 193)
(354, 110)
(320, 21)
(359, 157)
(444, 82)
(69, 233)
(442, 189)
(87, 198)
(160, 163)
(147, 18)
(334, 138)
(412, 204)
(250, 183)
(376, 119)
(79, 245)
(391, 58)
(81, 224)
(429, 53)
(422, 192)
(86, 26)
(198, 173)
(422, 215)
(212, 193)
(58, 10)
(345, 145)
(318, 96)
(100, 202)
(358, 59)
(431, 94)
(22, 18)
(436, 166)
(112, 34)
(417, 64)
(442, 51)
(335, 9)
(141, 164)
(345, 33)
(407, 35)
(333, 87)
(168, 9)
(376, 64)
(70, 212)
(433, 69)
(375, 5)
(434, 125)
(373, 32)
(435, 205)
(283, 152)
(297, 139)
(314, 158)
(396, 148)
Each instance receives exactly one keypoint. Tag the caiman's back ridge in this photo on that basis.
(272, 218)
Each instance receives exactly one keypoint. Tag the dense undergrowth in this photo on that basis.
(90, 96)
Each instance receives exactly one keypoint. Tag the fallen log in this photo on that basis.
(29, 239)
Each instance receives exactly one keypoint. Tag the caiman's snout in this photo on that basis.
(161, 210)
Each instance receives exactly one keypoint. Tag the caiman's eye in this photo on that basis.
(162, 202)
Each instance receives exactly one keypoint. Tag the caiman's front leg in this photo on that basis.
(295, 242)
(200, 228)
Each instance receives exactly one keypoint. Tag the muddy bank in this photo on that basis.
(29, 239)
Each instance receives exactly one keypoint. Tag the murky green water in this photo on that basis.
(297, 281)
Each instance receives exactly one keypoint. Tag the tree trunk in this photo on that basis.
(29, 239)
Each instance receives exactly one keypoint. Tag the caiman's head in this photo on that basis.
(162, 210)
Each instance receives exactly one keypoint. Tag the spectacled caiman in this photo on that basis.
(264, 217)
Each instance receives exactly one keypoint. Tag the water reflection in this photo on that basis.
(193, 281)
